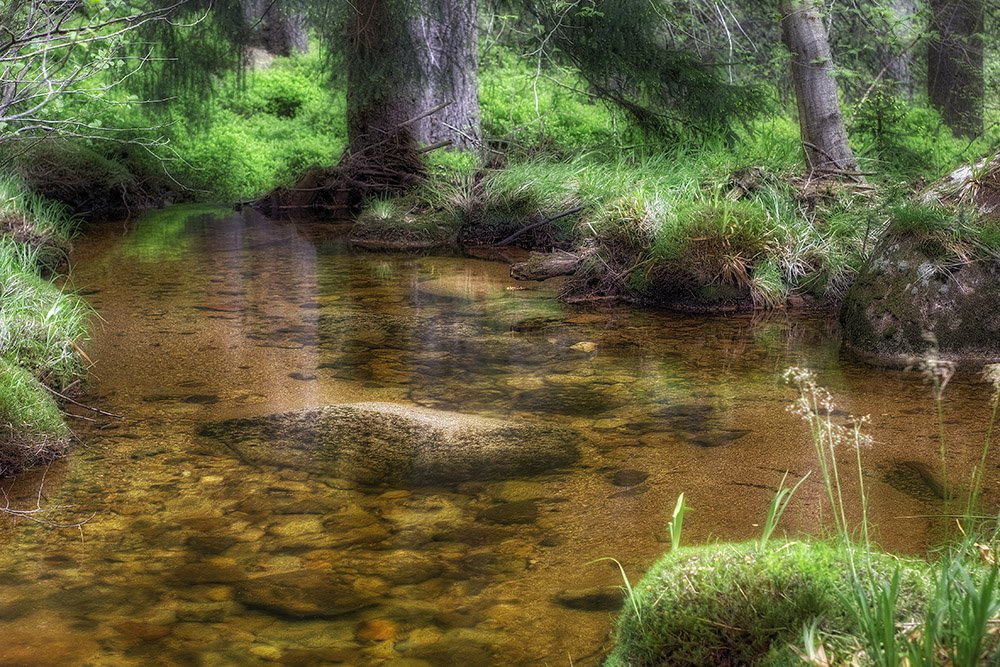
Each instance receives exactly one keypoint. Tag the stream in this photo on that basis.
(205, 314)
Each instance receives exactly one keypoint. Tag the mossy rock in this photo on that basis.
(405, 232)
(736, 604)
(915, 298)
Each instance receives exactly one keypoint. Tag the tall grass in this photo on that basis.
(959, 618)
(50, 221)
(39, 323)
(40, 327)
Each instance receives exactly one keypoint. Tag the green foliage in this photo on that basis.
(676, 523)
(778, 506)
(525, 110)
(262, 132)
(620, 49)
(743, 604)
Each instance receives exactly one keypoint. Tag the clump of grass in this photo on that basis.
(39, 324)
(40, 224)
(32, 430)
(403, 224)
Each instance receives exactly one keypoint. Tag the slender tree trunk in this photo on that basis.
(276, 27)
(955, 64)
(900, 64)
(407, 57)
(824, 138)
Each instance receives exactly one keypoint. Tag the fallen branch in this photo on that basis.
(38, 514)
(546, 221)
(85, 407)
(436, 145)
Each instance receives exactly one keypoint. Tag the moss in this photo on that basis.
(734, 604)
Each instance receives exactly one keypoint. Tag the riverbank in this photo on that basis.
(41, 327)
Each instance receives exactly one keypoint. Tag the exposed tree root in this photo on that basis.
(388, 167)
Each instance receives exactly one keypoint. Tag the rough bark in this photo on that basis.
(824, 138)
(276, 27)
(407, 57)
(955, 64)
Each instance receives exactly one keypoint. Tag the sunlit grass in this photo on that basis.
(40, 324)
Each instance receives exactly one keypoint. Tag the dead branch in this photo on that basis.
(39, 514)
(546, 221)
(85, 407)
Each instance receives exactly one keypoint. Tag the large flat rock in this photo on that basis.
(374, 443)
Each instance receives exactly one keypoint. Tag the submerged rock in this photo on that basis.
(303, 594)
(387, 442)
(916, 298)
(598, 598)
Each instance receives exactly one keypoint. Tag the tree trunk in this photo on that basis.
(407, 57)
(955, 64)
(275, 27)
(824, 138)
(900, 64)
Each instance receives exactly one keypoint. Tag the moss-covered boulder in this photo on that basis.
(921, 294)
(376, 443)
(737, 604)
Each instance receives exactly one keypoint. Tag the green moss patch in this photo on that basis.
(736, 604)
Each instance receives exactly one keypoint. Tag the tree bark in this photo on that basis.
(900, 64)
(407, 57)
(955, 64)
(824, 138)
(275, 27)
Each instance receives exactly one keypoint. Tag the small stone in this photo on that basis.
(207, 573)
(377, 630)
(142, 631)
(520, 512)
(304, 594)
(628, 477)
(269, 653)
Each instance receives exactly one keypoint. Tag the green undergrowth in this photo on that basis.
(701, 227)
(259, 130)
(40, 325)
(743, 604)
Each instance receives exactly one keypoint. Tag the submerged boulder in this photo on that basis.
(915, 297)
(374, 443)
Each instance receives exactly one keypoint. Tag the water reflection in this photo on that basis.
(195, 557)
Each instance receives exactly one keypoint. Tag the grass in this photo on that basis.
(32, 431)
(40, 326)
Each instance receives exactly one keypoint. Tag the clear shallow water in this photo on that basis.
(207, 314)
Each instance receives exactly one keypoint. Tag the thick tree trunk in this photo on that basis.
(824, 138)
(955, 64)
(407, 57)
(275, 27)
